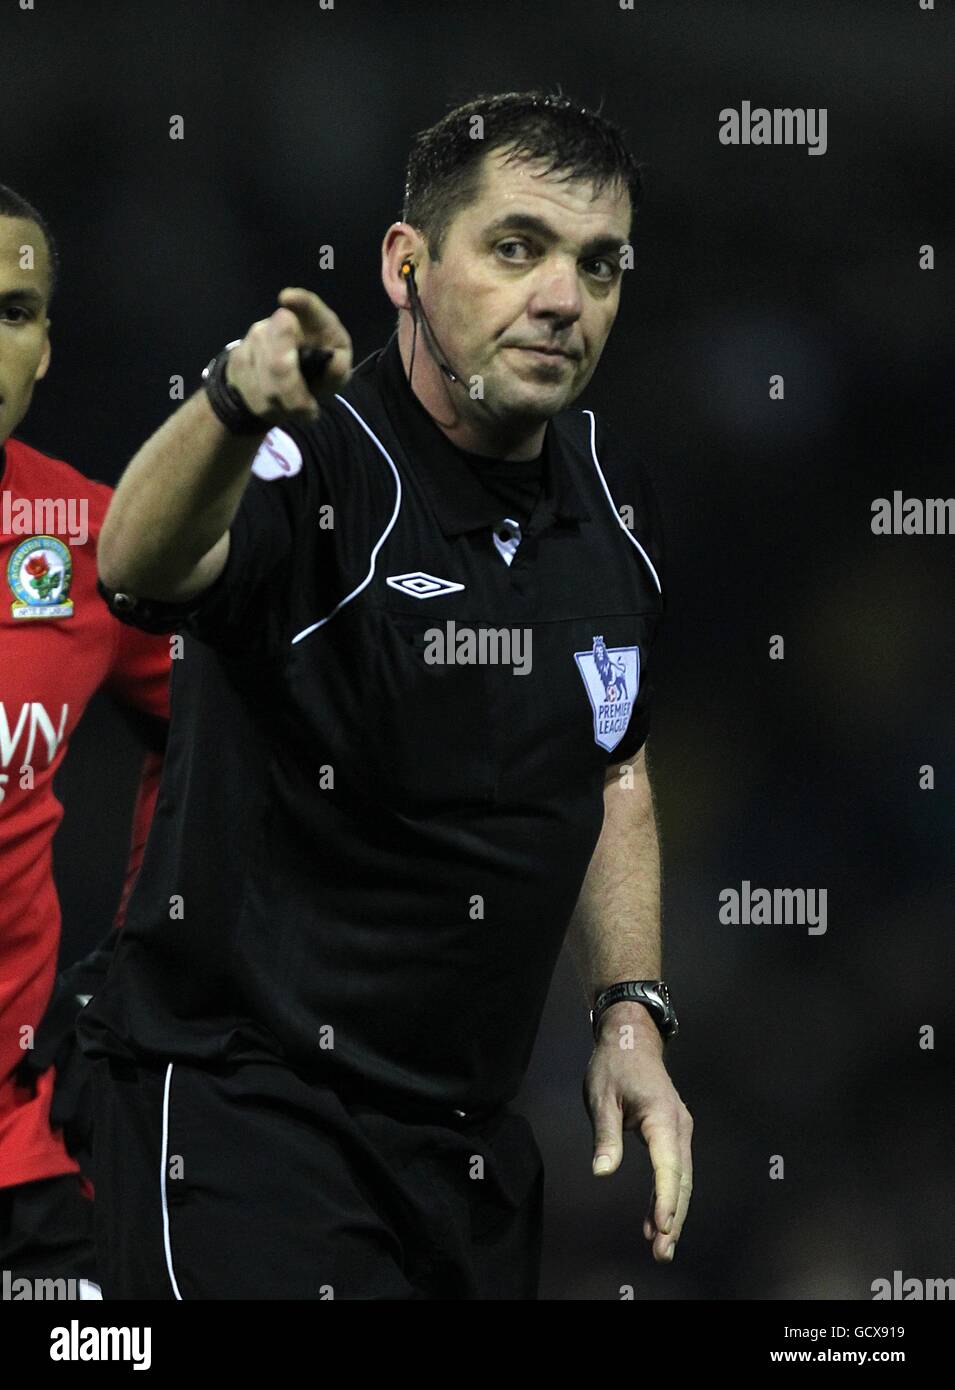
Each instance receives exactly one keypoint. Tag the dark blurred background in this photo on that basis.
(750, 262)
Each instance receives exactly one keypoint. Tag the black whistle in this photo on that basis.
(312, 362)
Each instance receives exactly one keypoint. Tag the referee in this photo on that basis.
(405, 761)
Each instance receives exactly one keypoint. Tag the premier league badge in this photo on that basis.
(39, 573)
(612, 678)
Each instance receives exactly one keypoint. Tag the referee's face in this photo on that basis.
(528, 285)
(24, 326)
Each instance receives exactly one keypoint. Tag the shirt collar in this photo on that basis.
(458, 500)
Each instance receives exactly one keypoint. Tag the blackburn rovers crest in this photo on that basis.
(612, 678)
(39, 573)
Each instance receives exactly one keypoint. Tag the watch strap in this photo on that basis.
(654, 996)
(226, 401)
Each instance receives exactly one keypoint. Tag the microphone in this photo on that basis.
(312, 362)
(408, 271)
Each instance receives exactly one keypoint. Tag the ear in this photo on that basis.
(401, 242)
(44, 364)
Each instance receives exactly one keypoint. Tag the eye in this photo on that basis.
(511, 241)
(9, 309)
(610, 268)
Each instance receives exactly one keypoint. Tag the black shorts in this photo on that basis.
(46, 1230)
(253, 1182)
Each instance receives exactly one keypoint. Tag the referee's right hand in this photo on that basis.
(264, 366)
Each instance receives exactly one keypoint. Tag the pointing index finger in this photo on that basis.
(312, 314)
(319, 323)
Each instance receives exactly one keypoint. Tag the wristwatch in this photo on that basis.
(653, 994)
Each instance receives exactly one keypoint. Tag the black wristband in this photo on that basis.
(226, 401)
(153, 615)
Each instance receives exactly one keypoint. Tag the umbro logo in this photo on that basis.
(420, 585)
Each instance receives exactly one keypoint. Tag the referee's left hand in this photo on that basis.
(627, 1087)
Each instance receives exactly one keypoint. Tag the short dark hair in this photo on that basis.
(14, 205)
(444, 167)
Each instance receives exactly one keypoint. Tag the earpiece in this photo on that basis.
(407, 271)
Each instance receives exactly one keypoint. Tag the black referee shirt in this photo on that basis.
(391, 724)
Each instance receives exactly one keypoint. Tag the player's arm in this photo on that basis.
(615, 935)
(166, 533)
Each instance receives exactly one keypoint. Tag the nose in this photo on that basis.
(557, 291)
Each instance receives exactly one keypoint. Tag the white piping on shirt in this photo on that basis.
(617, 517)
(394, 517)
(162, 1182)
(381, 539)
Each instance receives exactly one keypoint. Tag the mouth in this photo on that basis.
(544, 354)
